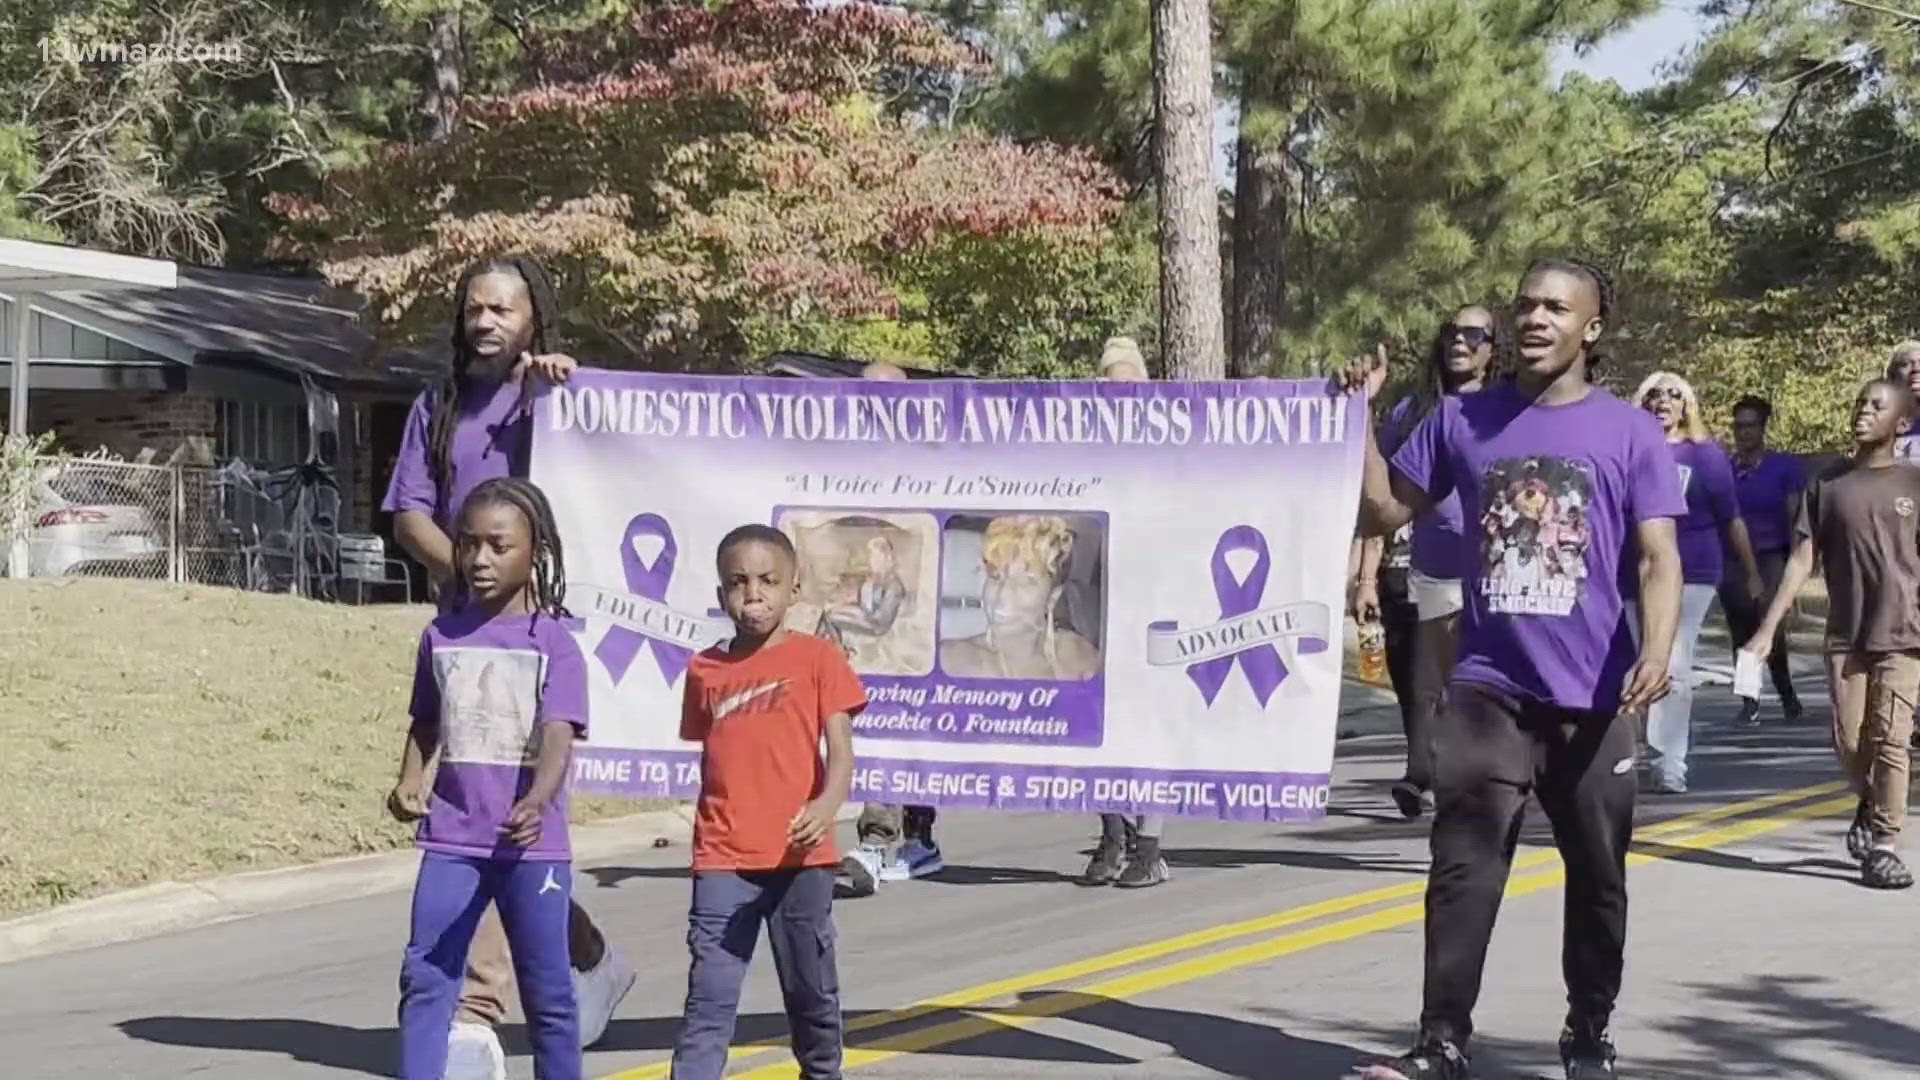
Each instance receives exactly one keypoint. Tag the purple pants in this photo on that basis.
(534, 899)
(723, 931)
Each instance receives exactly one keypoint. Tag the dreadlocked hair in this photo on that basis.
(449, 392)
(1433, 383)
(549, 581)
(1602, 289)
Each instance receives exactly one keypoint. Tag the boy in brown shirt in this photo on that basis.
(1860, 519)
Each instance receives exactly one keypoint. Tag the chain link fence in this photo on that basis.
(237, 527)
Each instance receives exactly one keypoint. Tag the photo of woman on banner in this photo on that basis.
(1023, 569)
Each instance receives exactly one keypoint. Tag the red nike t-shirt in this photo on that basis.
(760, 719)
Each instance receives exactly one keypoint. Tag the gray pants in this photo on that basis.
(887, 824)
(723, 930)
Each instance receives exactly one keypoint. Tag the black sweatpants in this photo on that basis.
(1490, 751)
(1744, 613)
(1398, 618)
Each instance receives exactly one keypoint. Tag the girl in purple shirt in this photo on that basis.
(1712, 519)
(499, 696)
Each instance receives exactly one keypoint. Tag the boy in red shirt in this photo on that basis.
(763, 849)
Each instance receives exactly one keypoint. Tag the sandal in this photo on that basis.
(1884, 870)
(1860, 833)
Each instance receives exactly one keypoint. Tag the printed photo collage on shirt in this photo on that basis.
(976, 594)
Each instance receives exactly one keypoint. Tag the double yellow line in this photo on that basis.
(1531, 873)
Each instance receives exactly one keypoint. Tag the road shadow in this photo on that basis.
(1827, 868)
(1225, 1045)
(374, 1051)
(658, 1033)
(611, 877)
(1241, 858)
(956, 874)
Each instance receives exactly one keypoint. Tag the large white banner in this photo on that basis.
(1066, 596)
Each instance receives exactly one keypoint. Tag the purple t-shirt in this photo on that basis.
(1768, 493)
(1552, 493)
(1439, 535)
(490, 441)
(1706, 482)
(491, 685)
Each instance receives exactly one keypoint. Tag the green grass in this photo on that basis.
(159, 732)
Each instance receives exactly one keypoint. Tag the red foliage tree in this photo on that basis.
(710, 183)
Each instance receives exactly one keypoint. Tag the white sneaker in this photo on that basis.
(865, 868)
(598, 992)
(895, 869)
(473, 1053)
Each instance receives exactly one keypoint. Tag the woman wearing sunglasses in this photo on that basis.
(1712, 521)
(1419, 601)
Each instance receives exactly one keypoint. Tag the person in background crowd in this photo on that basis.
(1768, 485)
(473, 426)
(1128, 854)
(1466, 351)
(882, 825)
(1859, 519)
(1554, 475)
(1712, 520)
(1903, 367)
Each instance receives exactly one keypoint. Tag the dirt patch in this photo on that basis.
(158, 732)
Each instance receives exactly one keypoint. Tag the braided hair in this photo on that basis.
(1433, 383)
(1603, 290)
(549, 580)
(444, 412)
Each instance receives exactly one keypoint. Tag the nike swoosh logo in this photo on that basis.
(733, 704)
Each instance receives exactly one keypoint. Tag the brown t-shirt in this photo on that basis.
(1865, 527)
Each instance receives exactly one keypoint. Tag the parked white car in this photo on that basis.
(89, 523)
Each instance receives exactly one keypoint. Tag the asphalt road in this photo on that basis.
(1274, 952)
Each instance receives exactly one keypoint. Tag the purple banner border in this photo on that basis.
(1225, 796)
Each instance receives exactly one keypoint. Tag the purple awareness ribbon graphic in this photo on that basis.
(1262, 664)
(618, 649)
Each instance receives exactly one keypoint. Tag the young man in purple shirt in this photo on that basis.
(1767, 484)
(1554, 476)
(473, 426)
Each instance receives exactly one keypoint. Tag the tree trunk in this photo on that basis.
(442, 102)
(1260, 200)
(1190, 309)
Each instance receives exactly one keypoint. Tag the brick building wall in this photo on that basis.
(124, 423)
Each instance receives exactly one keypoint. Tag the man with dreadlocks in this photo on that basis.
(1546, 678)
(473, 426)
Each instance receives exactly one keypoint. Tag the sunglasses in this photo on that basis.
(1471, 336)
(1663, 393)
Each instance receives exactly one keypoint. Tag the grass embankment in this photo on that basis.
(160, 732)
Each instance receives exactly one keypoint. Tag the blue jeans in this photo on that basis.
(722, 933)
(534, 899)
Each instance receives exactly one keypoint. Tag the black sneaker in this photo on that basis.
(1409, 798)
(1860, 833)
(1792, 711)
(1749, 713)
(1104, 867)
(1884, 870)
(1587, 1057)
(1431, 1060)
(1145, 868)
